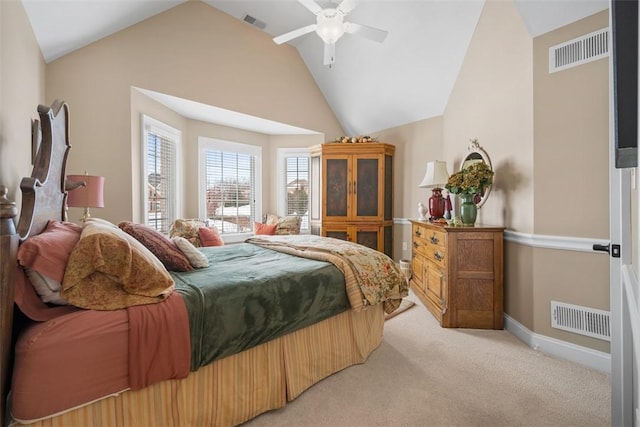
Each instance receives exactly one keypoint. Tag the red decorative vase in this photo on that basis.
(436, 204)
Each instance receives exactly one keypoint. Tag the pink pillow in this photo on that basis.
(210, 237)
(48, 252)
(267, 229)
(160, 245)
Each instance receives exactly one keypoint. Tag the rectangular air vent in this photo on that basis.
(579, 51)
(254, 21)
(581, 320)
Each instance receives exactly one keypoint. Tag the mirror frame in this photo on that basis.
(477, 154)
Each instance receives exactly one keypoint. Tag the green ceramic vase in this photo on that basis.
(468, 209)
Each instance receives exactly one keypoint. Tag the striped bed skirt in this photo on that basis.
(235, 389)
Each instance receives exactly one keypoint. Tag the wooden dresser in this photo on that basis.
(458, 273)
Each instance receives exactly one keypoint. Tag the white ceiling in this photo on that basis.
(370, 87)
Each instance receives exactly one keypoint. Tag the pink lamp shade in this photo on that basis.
(91, 195)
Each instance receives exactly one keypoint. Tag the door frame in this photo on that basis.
(625, 341)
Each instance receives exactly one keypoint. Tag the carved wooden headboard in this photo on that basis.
(43, 199)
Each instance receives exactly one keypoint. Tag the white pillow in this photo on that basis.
(195, 257)
(98, 221)
(47, 289)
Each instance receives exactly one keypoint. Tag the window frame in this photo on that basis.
(154, 126)
(281, 180)
(207, 143)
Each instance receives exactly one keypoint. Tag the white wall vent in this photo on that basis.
(581, 50)
(581, 320)
(254, 21)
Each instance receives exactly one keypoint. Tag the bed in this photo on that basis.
(211, 346)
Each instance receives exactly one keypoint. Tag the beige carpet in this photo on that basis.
(425, 375)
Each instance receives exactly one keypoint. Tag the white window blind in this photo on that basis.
(230, 185)
(160, 175)
(297, 191)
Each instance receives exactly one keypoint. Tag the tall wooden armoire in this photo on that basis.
(352, 193)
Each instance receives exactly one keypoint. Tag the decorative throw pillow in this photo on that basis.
(209, 236)
(48, 252)
(285, 225)
(159, 244)
(265, 229)
(196, 258)
(187, 228)
(109, 269)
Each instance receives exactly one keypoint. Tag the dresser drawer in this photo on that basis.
(420, 231)
(437, 255)
(435, 237)
(430, 251)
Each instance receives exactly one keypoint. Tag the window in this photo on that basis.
(293, 191)
(160, 163)
(230, 182)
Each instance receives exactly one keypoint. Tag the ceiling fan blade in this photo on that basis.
(346, 6)
(329, 53)
(371, 33)
(283, 38)
(311, 5)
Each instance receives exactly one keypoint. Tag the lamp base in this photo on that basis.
(86, 215)
(436, 204)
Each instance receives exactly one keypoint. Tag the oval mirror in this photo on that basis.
(477, 154)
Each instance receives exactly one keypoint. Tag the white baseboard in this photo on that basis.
(590, 358)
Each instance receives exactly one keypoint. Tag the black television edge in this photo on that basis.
(624, 31)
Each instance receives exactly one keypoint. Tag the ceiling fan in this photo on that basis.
(330, 26)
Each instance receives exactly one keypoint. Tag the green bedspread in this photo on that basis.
(249, 295)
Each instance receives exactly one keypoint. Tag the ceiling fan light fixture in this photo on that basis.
(330, 26)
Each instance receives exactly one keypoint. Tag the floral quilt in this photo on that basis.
(371, 277)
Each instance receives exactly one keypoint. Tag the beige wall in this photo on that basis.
(547, 136)
(492, 101)
(191, 51)
(416, 144)
(571, 139)
(571, 173)
(22, 71)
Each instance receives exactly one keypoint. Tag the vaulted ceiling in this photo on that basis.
(371, 86)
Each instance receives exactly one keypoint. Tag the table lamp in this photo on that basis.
(435, 178)
(88, 194)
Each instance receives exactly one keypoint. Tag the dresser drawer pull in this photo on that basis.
(418, 233)
(438, 256)
(416, 245)
(434, 239)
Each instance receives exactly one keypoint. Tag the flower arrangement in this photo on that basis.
(355, 139)
(471, 180)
